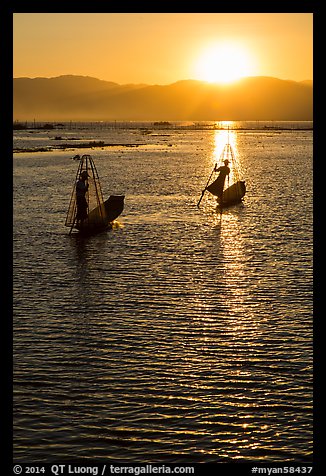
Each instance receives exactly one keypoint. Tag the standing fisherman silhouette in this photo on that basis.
(82, 205)
(218, 185)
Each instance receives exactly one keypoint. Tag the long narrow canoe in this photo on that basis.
(233, 194)
(101, 217)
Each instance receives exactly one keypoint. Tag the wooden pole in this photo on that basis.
(202, 194)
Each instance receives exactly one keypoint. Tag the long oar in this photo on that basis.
(202, 194)
(73, 223)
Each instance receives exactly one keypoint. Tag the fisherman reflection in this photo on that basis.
(82, 205)
(219, 182)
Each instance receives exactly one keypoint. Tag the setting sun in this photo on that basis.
(224, 63)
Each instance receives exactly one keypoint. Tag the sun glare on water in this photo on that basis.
(224, 63)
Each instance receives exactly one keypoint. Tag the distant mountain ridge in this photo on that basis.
(83, 98)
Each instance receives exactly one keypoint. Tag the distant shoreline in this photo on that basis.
(87, 145)
(166, 125)
(146, 129)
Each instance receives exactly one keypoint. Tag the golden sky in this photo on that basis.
(162, 48)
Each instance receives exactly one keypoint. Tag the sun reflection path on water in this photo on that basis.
(229, 256)
(229, 343)
(230, 339)
(234, 258)
(222, 138)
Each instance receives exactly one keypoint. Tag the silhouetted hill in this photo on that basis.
(84, 98)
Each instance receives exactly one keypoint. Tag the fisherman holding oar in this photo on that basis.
(216, 188)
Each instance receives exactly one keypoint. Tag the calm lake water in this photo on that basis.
(181, 335)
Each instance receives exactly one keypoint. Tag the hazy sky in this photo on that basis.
(161, 48)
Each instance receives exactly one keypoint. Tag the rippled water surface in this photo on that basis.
(181, 335)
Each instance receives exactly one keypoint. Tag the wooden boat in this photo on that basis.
(100, 214)
(233, 194)
(228, 187)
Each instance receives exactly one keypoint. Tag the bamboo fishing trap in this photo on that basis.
(100, 213)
